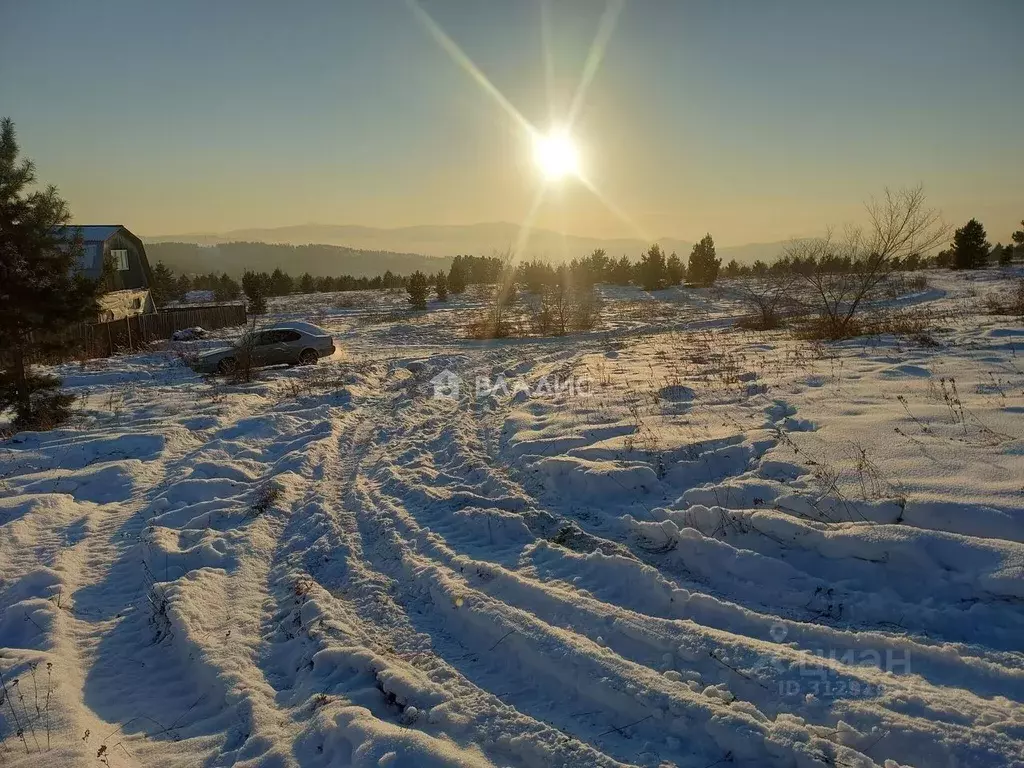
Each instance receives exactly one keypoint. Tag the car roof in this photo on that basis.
(298, 325)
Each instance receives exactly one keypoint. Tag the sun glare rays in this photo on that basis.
(555, 152)
(549, 62)
(605, 28)
(459, 57)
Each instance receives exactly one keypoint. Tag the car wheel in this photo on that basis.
(308, 357)
(227, 365)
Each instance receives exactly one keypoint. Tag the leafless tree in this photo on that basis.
(848, 269)
(901, 224)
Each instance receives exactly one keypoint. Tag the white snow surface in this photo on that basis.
(739, 549)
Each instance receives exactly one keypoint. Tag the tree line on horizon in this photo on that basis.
(257, 287)
(654, 270)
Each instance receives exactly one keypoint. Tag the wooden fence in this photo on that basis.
(131, 334)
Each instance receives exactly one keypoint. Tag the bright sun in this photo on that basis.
(556, 155)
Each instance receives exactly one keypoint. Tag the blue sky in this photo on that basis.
(755, 121)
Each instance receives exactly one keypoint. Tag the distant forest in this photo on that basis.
(318, 260)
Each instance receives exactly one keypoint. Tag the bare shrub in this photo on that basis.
(496, 323)
(587, 309)
(542, 320)
(767, 297)
(901, 284)
(348, 301)
(382, 316)
(845, 271)
(265, 498)
(244, 368)
(1009, 302)
(317, 381)
(838, 283)
(556, 309)
(910, 322)
(564, 308)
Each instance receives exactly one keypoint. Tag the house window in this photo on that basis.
(120, 258)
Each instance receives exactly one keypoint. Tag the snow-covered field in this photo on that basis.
(715, 548)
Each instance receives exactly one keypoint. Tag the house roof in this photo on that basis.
(94, 237)
(92, 233)
(90, 261)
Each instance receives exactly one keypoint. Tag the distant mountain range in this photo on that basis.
(372, 250)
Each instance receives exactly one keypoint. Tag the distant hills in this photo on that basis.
(330, 249)
(319, 260)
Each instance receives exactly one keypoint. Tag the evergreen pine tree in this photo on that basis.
(441, 286)
(457, 276)
(621, 271)
(226, 289)
(652, 269)
(703, 267)
(182, 285)
(674, 270)
(257, 287)
(417, 288)
(1006, 256)
(280, 283)
(970, 248)
(41, 290)
(306, 283)
(162, 287)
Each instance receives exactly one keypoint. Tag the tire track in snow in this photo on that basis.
(365, 631)
(450, 593)
(922, 725)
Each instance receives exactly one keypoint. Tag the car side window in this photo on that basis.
(279, 336)
(266, 338)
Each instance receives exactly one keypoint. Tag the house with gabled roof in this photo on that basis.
(115, 255)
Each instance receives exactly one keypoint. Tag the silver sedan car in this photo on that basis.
(284, 344)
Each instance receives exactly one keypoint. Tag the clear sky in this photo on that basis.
(751, 119)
